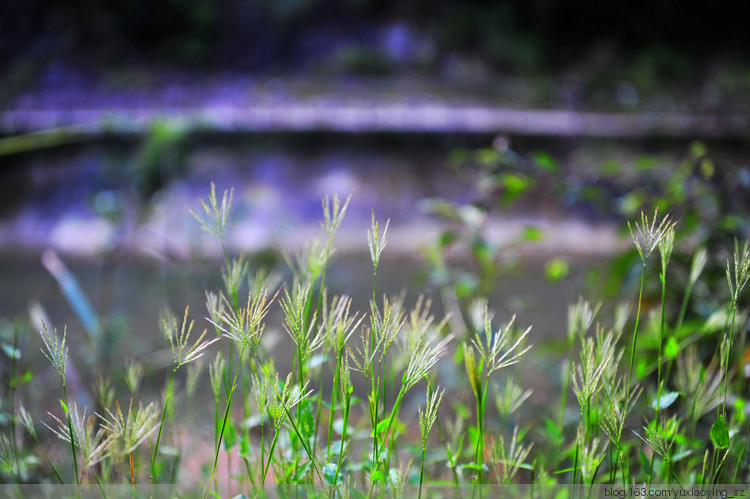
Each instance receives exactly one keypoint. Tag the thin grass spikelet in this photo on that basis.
(216, 373)
(216, 215)
(510, 397)
(333, 215)
(194, 372)
(133, 376)
(306, 337)
(507, 459)
(338, 324)
(93, 444)
(427, 352)
(179, 337)
(56, 350)
(27, 421)
(105, 393)
(428, 416)
(648, 234)
(666, 245)
(375, 241)
(597, 357)
(700, 258)
(621, 402)
(133, 429)
(581, 316)
(245, 325)
(738, 271)
(493, 351)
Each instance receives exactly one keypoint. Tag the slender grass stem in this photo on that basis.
(421, 471)
(333, 403)
(155, 452)
(347, 404)
(726, 362)
(72, 435)
(270, 458)
(223, 426)
(661, 349)
(635, 328)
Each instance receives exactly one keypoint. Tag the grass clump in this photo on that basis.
(340, 417)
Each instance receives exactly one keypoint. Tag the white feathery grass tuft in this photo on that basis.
(375, 241)
(179, 337)
(700, 258)
(131, 430)
(216, 216)
(506, 459)
(428, 416)
(245, 325)
(133, 376)
(666, 245)
(94, 445)
(648, 234)
(581, 316)
(493, 350)
(738, 271)
(56, 350)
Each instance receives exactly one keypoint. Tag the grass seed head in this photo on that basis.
(428, 416)
(666, 245)
(216, 215)
(376, 241)
(179, 338)
(131, 430)
(738, 270)
(133, 376)
(56, 350)
(507, 459)
(648, 233)
(105, 393)
(510, 397)
(700, 258)
(216, 374)
(93, 444)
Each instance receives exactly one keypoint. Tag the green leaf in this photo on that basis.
(720, 433)
(21, 380)
(382, 426)
(672, 348)
(556, 269)
(376, 475)
(302, 470)
(665, 400)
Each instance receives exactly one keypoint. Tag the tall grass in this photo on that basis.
(342, 416)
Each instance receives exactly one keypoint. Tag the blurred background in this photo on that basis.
(507, 142)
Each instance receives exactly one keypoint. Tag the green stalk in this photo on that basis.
(661, 349)
(270, 458)
(635, 329)
(14, 447)
(479, 450)
(394, 414)
(223, 426)
(421, 471)
(72, 438)
(333, 404)
(341, 446)
(729, 350)
(161, 425)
